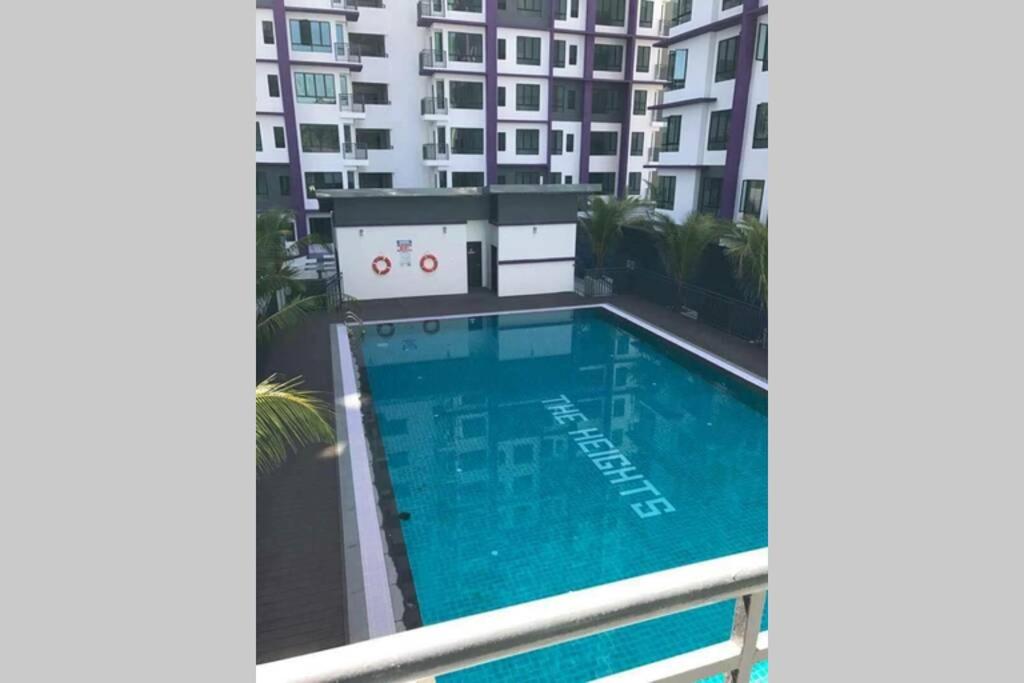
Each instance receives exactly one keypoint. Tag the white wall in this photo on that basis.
(535, 278)
(517, 242)
(356, 254)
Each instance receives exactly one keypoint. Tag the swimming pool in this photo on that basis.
(531, 454)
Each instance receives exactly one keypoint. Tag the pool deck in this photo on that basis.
(300, 587)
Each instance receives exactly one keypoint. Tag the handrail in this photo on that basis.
(467, 641)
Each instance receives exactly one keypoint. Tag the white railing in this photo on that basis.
(468, 641)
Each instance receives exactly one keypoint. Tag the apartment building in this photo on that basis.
(711, 154)
(455, 93)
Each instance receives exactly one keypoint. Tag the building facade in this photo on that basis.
(712, 154)
(357, 94)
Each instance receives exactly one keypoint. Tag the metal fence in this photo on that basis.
(738, 318)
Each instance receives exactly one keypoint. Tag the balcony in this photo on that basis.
(435, 152)
(428, 11)
(349, 7)
(354, 152)
(662, 71)
(345, 53)
(350, 108)
(434, 106)
(433, 60)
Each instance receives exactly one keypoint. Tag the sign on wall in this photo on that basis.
(404, 252)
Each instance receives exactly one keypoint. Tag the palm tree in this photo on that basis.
(286, 418)
(746, 245)
(682, 244)
(275, 277)
(604, 219)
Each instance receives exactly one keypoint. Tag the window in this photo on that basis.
(718, 131)
(501, 48)
(319, 137)
(677, 69)
(367, 44)
(568, 180)
(501, 96)
(382, 180)
(643, 58)
(761, 126)
(565, 98)
(321, 226)
(310, 36)
(530, 6)
(633, 183)
(753, 193)
(262, 188)
(528, 50)
(673, 131)
(680, 12)
(560, 53)
(575, 9)
(647, 13)
(611, 12)
(527, 141)
(284, 183)
(606, 100)
(605, 180)
(502, 4)
(463, 179)
(323, 181)
(501, 142)
(604, 143)
(572, 55)
(560, 11)
(467, 140)
(465, 47)
(373, 138)
(527, 97)
(442, 178)
(268, 32)
(607, 57)
(370, 93)
(556, 141)
(554, 178)
(314, 88)
(729, 4)
(639, 102)
(273, 87)
(725, 66)
(570, 142)
(259, 138)
(636, 144)
(279, 137)
(351, 175)
(665, 194)
(466, 95)
(710, 195)
(761, 51)
(462, 5)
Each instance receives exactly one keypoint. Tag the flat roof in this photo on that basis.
(552, 189)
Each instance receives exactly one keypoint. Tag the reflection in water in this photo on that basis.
(507, 506)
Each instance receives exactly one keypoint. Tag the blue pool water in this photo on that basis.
(479, 421)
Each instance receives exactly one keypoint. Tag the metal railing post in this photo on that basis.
(746, 625)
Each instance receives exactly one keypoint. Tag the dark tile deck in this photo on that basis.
(300, 603)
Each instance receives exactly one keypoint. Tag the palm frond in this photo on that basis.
(288, 316)
(286, 418)
(681, 245)
(746, 246)
(604, 219)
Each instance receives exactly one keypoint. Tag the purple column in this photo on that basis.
(491, 85)
(284, 70)
(588, 90)
(738, 119)
(627, 109)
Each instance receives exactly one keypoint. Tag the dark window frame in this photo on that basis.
(459, 135)
(315, 138)
(631, 187)
(636, 144)
(718, 130)
(527, 97)
(761, 126)
(601, 149)
(639, 102)
(525, 52)
(273, 85)
(616, 52)
(745, 198)
(279, 142)
(527, 141)
(469, 92)
(268, 35)
(643, 58)
(726, 59)
(306, 26)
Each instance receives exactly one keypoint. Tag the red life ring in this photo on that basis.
(382, 265)
(428, 263)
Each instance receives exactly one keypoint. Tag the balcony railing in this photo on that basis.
(431, 8)
(344, 52)
(433, 59)
(371, 98)
(662, 71)
(435, 152)
(654, 153)
(345, 4)
(467, 641)
(433, 105)
(353, 150)
(347, 103)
